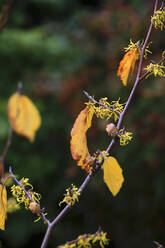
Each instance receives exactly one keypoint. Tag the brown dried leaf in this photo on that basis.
(79, 149)
(127, 65)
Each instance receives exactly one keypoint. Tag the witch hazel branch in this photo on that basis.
(112, 112)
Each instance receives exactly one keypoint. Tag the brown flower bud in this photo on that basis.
(34, 207)
(111, 129)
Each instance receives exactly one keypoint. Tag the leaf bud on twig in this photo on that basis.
(34, 207)
(111, 130)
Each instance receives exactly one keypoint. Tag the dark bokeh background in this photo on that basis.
(58, 48)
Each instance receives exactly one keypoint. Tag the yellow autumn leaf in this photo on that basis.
(24, 116)
(78, 143)
(113, 176)
(127, 65)
(3, 206)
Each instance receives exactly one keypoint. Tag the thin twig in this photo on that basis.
(5, 150)
(42, 214)
(8, 143)
(9, 138)
(64, 211)
(99, 103)
(158, 244)
(138, 73)
(19, 183)
(138, 79)
(5, 12)
(147, 72)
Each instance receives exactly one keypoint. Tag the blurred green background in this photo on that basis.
(57, 49)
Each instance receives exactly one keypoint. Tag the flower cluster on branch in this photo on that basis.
(20, 193)
(159, 18)
(71, 195)
(88, 240)
(106, 110)
(155, 69)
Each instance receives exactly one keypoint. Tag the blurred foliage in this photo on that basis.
(57, 49)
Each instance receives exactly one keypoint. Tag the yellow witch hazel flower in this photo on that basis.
(133, 46)
(101, 237)
(88, 240)
(146, 51)
(100, 156)
(107, 110)
(71, 195)
(20, 193)
(125, 137)
(155, 69)
(25, 182)
(137, 47)
(159, 18)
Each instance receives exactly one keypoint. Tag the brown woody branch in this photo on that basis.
(51, 225)
(122, 115)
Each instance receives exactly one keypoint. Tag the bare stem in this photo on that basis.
(139, 71)
(137, 80)
(8, 143)
(47, 236)
(10, 134)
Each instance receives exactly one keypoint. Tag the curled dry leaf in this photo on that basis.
(127, 65)
(79, 149)
(24, 116)
(3, 206)
(113, 176)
